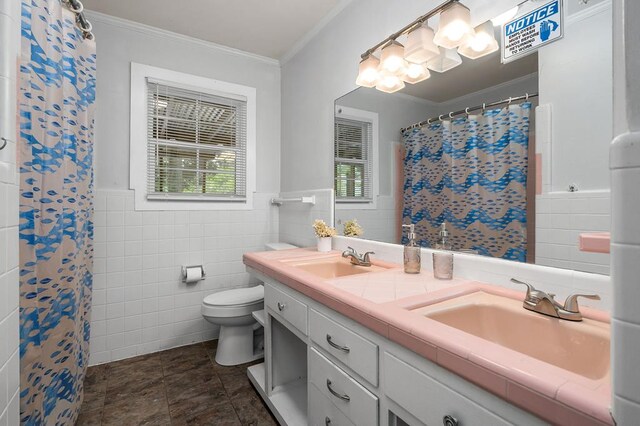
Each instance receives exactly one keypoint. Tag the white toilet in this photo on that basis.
(232, 311)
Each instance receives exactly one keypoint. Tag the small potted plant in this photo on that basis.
(352, 229)
(324, 233)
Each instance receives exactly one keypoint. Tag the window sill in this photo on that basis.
(161, 202)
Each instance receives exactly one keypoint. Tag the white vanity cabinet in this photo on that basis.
(324, 369)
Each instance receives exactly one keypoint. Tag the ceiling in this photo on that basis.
(265, 27)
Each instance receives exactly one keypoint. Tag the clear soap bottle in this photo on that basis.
(411, 252)
(444, 243)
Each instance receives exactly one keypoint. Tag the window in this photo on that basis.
(192, 141)
(355, 132)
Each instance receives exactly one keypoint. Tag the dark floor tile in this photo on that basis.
(133, 381)
(95, 387)
(191, 384)
(235, 382)
(149, 407)
(222, 414)
(251, 410)
(89, 417)
(185, 358)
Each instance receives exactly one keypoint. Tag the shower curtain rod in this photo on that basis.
(77, 7)
(441, 117)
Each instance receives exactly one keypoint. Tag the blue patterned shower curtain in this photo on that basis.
(56, 107)
(471, 172)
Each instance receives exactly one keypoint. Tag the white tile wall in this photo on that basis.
(139, 303)
(560, 218)
(9, 319)
(296, 219)
(378, 224)
(625, 252)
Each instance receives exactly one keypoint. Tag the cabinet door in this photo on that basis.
(322, 412)
(287, 307)
(353, 399)
(429, 400)
(353, 350)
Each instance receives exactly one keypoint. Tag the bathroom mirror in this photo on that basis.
(519, 181)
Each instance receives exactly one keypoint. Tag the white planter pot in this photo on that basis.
(324, 244)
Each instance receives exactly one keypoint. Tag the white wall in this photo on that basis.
(9, 316)
(296, 219)
(139, 303)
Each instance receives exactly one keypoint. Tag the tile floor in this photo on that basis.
(182, 386)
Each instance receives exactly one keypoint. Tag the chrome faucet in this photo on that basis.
(356, 258)
(544, 303)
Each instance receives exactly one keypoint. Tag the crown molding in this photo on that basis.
(335, 11)
(159, 32)
(589, 12)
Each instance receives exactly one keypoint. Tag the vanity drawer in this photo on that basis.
(356, 352)
(322, 412)
(286, 306)
(354, 401)
(429, 400)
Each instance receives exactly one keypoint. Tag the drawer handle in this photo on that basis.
(344, 349)
(336, 394)
(327, 421)
(449, 421)
(281, 306)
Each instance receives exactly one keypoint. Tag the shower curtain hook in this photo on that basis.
(451, 115)
(440, 117)
(526, 96)
(509, 101)
(466, 111)
(428, 121)
(483, 106)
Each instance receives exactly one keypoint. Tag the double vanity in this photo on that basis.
(371, 345)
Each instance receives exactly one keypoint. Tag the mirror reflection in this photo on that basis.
(503, 160)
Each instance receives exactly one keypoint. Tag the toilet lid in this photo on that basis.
(236, 296)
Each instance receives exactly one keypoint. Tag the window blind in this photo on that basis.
(352, 166)
(197, 144)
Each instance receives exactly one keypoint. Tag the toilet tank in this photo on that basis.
(279, 246)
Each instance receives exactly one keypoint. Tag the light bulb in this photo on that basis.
(482, 43)
(368, 72)
(455, 26)
(392, 58)
(389, 82)
(416, 73)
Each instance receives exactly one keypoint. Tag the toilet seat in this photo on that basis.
(235, 297)
(237, 302)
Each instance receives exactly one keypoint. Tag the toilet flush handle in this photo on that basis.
(281, 306)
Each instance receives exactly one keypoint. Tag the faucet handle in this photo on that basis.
(365, 256)
(530, 288)
(571, 304)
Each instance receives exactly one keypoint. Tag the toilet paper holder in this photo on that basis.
(183, 273)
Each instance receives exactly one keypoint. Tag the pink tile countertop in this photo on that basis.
(380, 301)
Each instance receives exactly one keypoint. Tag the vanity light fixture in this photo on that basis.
(455, 26)
(389, 82)
(420, 47)
(392, 59)
(482, 43)
(446, 60)
(368, 72)
(416, 73)
(505, 17)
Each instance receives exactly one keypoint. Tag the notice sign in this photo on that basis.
(527, 33)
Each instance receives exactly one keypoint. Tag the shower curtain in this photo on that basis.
(56, 109)
(470, 172)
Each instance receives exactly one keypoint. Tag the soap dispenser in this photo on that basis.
(444, 243)
(411, 252)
